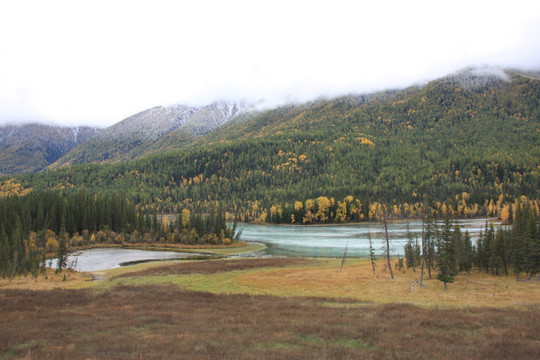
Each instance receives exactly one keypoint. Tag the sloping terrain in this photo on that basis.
(469, 133)
(32, 147)
(154, 130)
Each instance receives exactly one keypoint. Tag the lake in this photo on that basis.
(331, 240)
(103, 259)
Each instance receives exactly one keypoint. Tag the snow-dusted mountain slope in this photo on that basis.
(140, 134)
(32, 147)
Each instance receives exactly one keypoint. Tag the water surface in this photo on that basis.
(331, 240)
(103, 259)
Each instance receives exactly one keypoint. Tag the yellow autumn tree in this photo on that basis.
(323, 205)
(504, 215)
(341, 212)
(185, 217)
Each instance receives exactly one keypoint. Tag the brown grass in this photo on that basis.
(307, 277)
(217, 266)
(357, 281)
(48, 281)
(165, 322)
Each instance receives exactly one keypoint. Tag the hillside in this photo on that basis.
(32, 147)
(141, 134)
(463, 138)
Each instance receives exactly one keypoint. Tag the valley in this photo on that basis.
(319, 178)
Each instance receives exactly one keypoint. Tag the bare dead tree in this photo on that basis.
(371, 253)
(387, 241)
(412, 284)
(423, 247)
(344, 256)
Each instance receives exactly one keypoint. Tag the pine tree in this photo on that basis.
(466, 254)
(446, 256)
(410, 251)
(5, 253)
(61, 254)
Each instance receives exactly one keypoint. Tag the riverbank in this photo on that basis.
(70, 279)
(238, 247)
(50, 280)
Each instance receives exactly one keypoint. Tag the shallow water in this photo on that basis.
(103, 259)
(331, 240)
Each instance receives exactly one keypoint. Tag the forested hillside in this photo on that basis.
(468, 145)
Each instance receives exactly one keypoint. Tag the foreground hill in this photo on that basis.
(264, 309)
(30, 148)
(472, 137)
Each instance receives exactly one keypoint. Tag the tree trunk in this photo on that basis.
(387, 242)
(423, 250)
(344, 255)
(412, 285)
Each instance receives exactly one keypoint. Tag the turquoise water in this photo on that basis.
(331, 240)
(297, 240)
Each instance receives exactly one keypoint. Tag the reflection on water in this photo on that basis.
(102, 259)
(330, 240)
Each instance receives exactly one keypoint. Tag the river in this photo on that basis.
(331, 240)
(289, 240)
(103, 259)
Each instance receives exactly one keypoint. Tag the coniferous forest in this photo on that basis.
(36, 225)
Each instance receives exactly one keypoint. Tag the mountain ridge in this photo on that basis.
(33, 147)
(176, 127)
(137, 135)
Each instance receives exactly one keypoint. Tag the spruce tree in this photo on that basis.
(5, 253)
(446, 256)
(61, 255)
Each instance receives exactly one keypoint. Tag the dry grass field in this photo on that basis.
(321, 278)
(276, 308)
(48, 281)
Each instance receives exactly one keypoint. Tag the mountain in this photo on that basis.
(150, 131)
(202, 122)
(30, 148)
(467, 137)
(124, 140)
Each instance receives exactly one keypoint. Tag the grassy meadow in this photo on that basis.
(267, 308)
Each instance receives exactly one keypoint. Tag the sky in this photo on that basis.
(98, 62)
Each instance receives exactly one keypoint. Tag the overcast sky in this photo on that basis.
(98, 62)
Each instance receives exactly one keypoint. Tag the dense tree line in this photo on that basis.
(37, 224)
(514, 250)
(498, 251)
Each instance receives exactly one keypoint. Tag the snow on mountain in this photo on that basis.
(149, 125)
(32, 147)
(475, 78)
(213, 116)
(140, 134)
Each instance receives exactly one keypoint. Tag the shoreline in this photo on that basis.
(490, 220)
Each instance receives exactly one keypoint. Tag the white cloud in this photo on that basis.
(98, 62)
